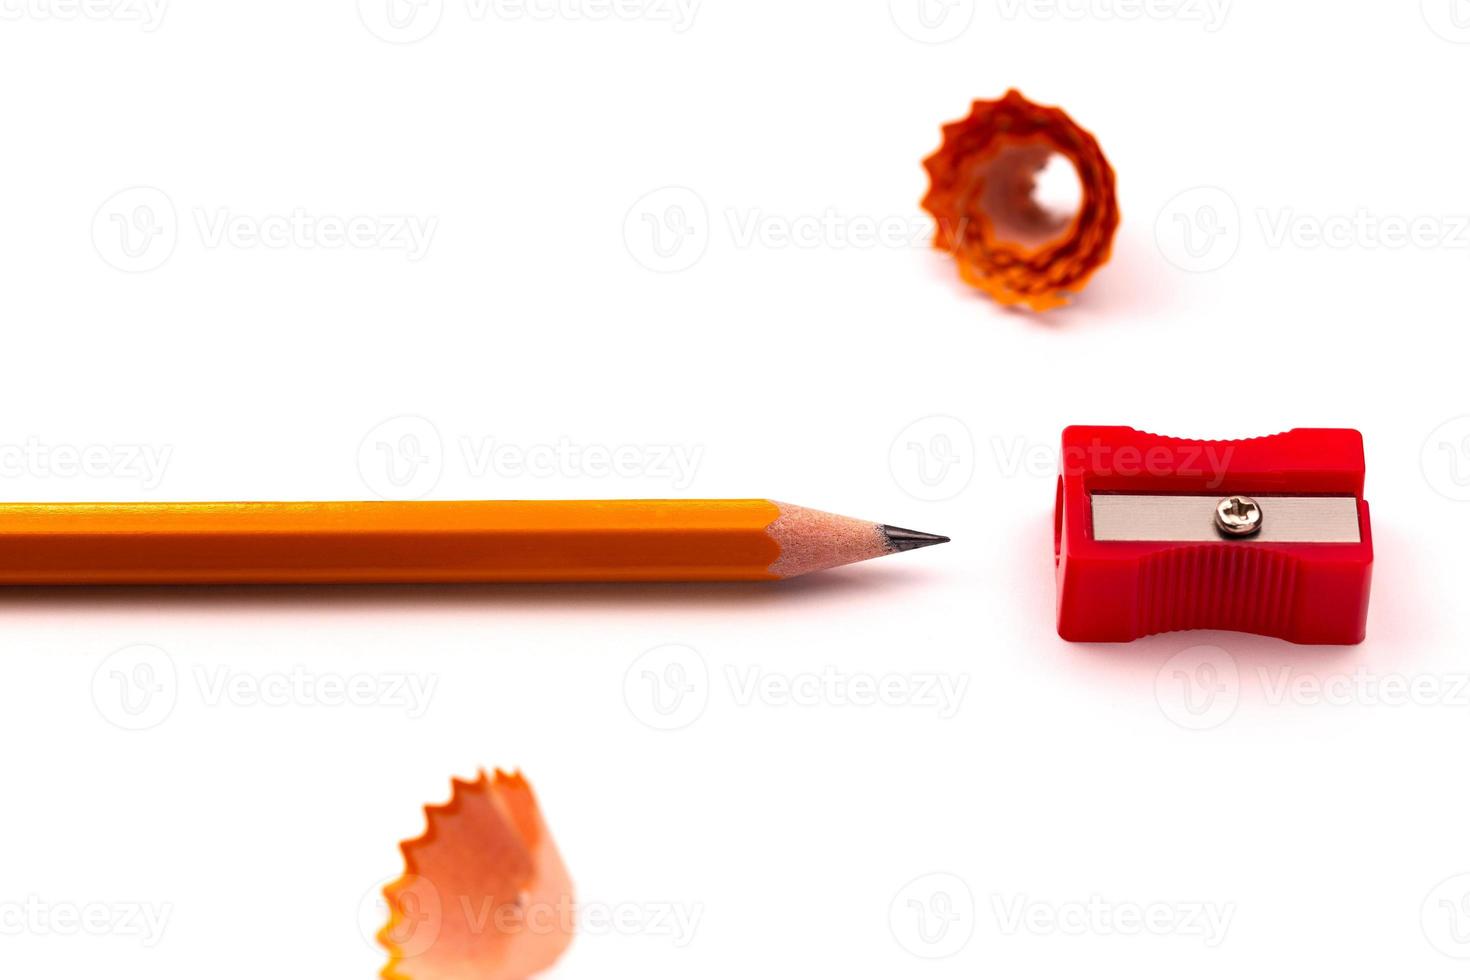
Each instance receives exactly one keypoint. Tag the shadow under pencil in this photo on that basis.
(468, 597)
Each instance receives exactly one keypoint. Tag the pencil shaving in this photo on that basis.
(484, 892)
(981, 185)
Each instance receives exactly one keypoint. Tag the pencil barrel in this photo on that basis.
(387, 542)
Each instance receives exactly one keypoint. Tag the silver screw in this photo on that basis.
(1238, 517)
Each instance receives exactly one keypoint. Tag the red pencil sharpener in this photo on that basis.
(1267, 536)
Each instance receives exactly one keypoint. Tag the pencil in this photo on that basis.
(432, 541)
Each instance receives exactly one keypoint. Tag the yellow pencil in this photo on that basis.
(433, 541)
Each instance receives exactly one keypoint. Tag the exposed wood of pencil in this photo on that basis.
(432, 541)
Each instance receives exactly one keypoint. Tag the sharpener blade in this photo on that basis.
(1191, 517)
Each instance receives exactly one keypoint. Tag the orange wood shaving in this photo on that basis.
(981, 181)
(484, 893)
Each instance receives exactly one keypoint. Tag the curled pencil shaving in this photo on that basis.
(484, 892)
(981, 181)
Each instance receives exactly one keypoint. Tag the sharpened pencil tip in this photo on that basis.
(902, 539)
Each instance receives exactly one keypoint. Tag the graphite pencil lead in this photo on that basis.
(903, 539)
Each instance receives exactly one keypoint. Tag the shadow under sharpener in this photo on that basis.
(1268, 536)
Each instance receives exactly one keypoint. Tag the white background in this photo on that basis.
(1073, 790)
